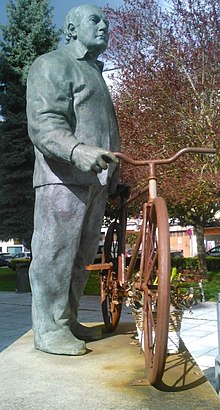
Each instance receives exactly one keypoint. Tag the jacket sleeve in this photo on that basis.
(49, 102)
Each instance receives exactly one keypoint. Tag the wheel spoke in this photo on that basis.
(150, 268)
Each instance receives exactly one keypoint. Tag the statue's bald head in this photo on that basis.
(74, 17)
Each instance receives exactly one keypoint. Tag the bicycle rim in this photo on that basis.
(157, 291)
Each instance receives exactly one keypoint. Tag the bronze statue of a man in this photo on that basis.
(72, 124)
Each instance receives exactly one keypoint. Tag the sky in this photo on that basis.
(61, 8)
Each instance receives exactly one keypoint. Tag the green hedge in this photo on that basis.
(184, 263)
(213, 263)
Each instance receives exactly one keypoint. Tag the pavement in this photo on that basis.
(198, 333)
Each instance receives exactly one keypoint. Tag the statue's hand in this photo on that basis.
(88, 158)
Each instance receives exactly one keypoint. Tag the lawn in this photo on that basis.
(7, 279)
(8, 282)
(211, 285)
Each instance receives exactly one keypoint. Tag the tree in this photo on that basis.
(29, 33)
(168, 98)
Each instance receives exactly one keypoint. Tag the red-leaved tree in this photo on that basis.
(168, 97)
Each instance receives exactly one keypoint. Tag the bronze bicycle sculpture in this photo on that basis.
(152, 282)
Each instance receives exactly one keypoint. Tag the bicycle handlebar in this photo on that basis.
(164, 161)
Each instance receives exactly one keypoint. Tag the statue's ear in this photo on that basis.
(72, 31)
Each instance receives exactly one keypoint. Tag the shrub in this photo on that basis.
(213, 263)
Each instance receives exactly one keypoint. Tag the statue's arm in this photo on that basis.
(47, 110)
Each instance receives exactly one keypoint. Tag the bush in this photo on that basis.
(213, 263)
(185, 263)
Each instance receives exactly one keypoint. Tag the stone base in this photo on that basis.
(103, 379)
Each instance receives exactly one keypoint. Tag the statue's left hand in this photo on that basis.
(88, 158)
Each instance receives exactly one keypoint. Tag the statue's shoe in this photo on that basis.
(61, 342)
(88, 334)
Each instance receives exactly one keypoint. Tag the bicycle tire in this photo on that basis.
(111, 308)
(157, 293)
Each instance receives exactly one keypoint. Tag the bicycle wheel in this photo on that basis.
(111, 292)
(157, 291)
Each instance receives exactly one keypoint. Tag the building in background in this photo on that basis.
(13, 247)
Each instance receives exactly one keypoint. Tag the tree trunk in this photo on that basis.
(199, 231)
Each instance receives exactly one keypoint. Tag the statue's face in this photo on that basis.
(92, 30)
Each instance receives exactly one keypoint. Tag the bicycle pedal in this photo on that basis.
(99, 266)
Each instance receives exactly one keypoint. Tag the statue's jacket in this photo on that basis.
(68, 102)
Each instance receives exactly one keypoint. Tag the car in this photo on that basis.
(5, 258)
(21, 257)
(214, 251)
(176, 253)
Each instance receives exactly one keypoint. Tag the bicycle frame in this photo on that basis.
(151, 187)
(150, 288)
(123, 277)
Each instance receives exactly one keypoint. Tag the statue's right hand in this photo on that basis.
(89, 158)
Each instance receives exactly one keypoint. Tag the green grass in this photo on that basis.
(8, 282)
(211, 286)
(93, 284)
(7, 279)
